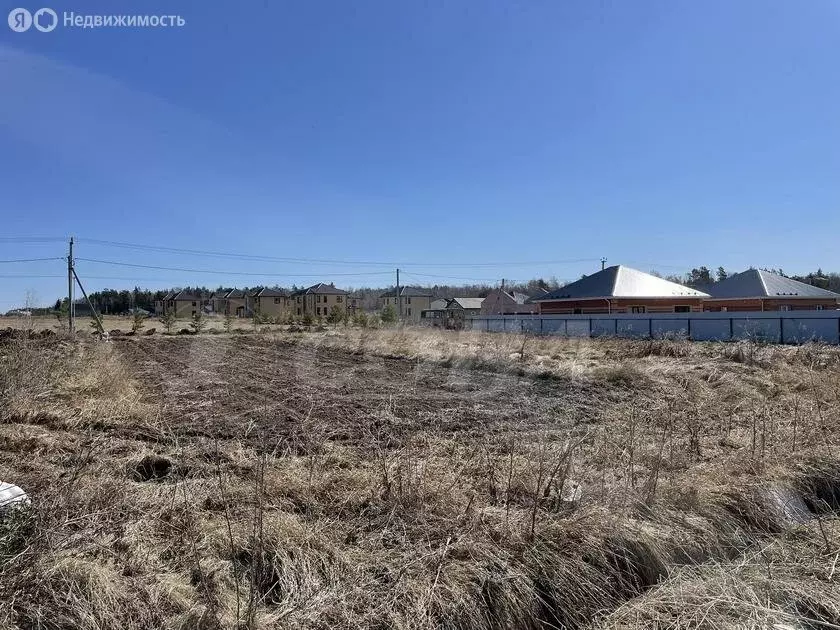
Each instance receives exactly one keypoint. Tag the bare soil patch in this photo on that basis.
(415, 479)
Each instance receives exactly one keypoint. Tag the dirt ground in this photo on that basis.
(418, 479)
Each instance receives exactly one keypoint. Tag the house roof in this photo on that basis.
(407, 292)
(758, 283)
(186, 297)
(321, 289)
(619, 281)
(438, 305)
(267, 292)
(169, 295)
(465, 302)
(219, 295)
(236, 294)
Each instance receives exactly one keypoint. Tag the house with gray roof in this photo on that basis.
(759, 290)
(183, 304)
(270, 302)
(620, 289)
(459, 308)
(409, 304)
(318, 300)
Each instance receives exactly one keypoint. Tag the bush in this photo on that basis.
(168, 321)
(360, 319)
(337, 313)
(198, 322)
(138, 322)
(388, 315)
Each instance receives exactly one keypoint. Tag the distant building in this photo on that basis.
(183, 304)
(757, 290)
(160, 304)
(409, 304)
(501, 302)
(435, 315)
(459, 308)
(237, 304)
(621, 289)
(317, 300)
(217, 301)
(270, 302)
(354, 303)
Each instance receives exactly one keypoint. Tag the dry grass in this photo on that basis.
(419, 479)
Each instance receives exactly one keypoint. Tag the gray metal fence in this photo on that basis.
(772, 327)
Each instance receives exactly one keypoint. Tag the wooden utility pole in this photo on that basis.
(70, 274)
(399, 297)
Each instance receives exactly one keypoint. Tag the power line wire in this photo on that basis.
(26, 260)
(32, 239)
(238, 256)
(431, 275)
(230, 273)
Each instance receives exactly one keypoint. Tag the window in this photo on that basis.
(298, 311)
(819, 307)
(193, 313)
(638, 309)
(408, 300)
(409, 312)
(298, 301)
(784, 307)
(682, 309)
(277, 300)
(193, 303)
(339, 299)
(577, 311)
(318, 310)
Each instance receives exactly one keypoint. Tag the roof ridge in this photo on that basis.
(763, 283)
(615, 279)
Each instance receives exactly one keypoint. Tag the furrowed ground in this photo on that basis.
(419, 479)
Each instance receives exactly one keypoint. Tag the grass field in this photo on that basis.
(419, 479)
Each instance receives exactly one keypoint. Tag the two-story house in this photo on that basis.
(409, 304)
(317, 300)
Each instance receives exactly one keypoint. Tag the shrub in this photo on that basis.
(138, 322)
(388, 315)
(337, 313)
(168, 321)
(198, 322)
(360, 319)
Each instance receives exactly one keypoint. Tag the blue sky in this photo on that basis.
(663, 134)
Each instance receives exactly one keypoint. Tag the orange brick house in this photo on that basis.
(621, 289)
(758, 290)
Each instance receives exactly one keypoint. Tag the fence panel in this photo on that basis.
(772, 327)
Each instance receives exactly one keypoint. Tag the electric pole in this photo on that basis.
(70, 277)
(603, 263)
(399, 298)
